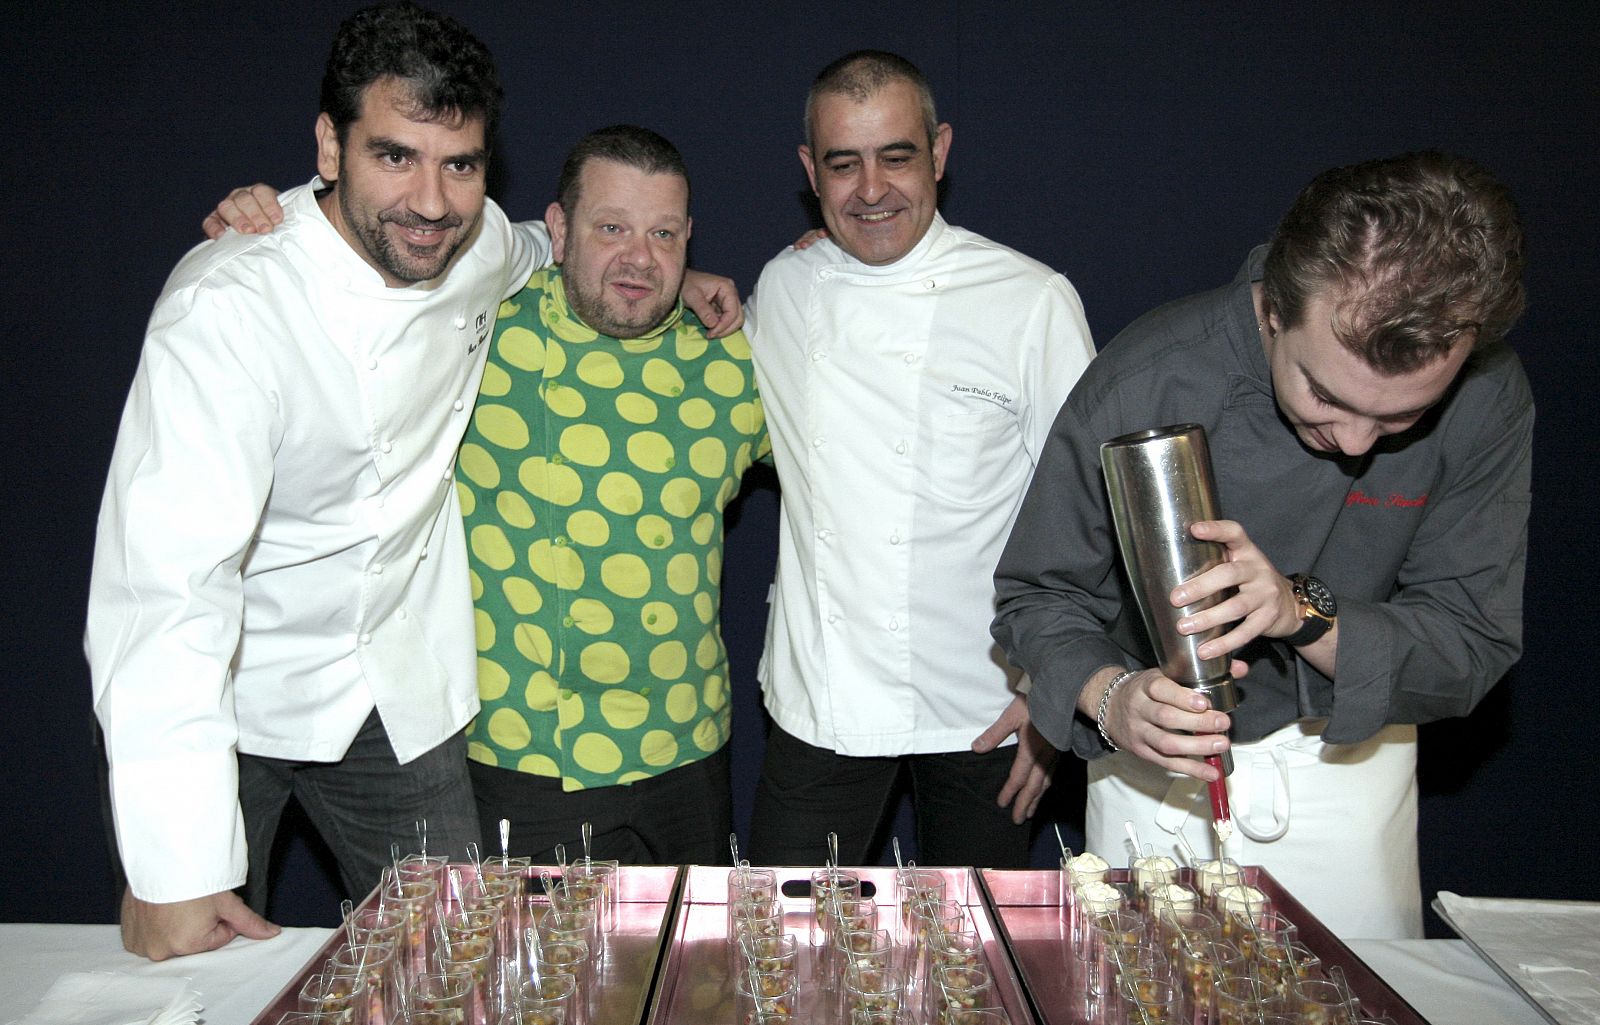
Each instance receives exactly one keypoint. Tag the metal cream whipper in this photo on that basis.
(1160, 483)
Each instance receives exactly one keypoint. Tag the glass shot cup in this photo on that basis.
(1153, 1001)
(768, 954)
(976, 1016)
(417, 902)
(958, 989)
(1282, 965)
(1211, 876)
(375, 964)
(829, 885)
(765, 999)
(912, 886)
(337, 998)
(1091, 900)
(749, 884)
(930, 922)
(1242, 1000)
(546, 1000)
(440, 998)
(587, 876)
(570, 957)
(872, 988)
(1323, 1002)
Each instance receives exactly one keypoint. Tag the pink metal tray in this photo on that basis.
(695, 988)
(646, 897)
(1027, 905)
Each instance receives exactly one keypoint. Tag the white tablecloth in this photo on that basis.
(234, 983)
(1443, 979)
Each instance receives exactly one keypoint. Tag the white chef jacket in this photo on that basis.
(907, 406)
(279, 548)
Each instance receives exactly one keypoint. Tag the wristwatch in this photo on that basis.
(1316, 607)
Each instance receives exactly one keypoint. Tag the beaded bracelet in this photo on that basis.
(1105, 702)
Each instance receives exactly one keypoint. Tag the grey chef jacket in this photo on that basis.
(1422, 540)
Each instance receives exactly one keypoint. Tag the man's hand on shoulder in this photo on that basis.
(160, 931)
(252, 210)
(715, 300)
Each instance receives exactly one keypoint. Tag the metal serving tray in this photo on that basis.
(646, 898)
(694, 986)
(1027, 905)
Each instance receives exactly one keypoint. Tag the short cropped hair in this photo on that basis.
(629, 145)
(860, 75)
(448, 72)
(1416, 250)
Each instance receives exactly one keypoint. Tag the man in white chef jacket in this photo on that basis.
(280, 602)
(911, 371)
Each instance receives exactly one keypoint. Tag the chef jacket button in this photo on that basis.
(930, 284)
(567, 621)
(461, 322)
(380, 501)
(449, 472)
(401, 614)
(561, 541)
(816, 442)
(558, 459)
(894, 539)
(900, 448)
(822, 534)
(459, 406)
(424, 554)
(817, 355)
(833, 617)
(894, 625)
(387, 446)
(372, 364)
(911, 358)
(377, 569)
(366, 638)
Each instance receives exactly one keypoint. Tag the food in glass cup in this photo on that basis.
(1282, 964)
(912, 886)
(827, 886)
(976, 1016)
(377, 966)
(1152, 870)
(1169, 895)
(872, 988)
(335, 997)
(1239, 907)
(961, 988)
(771, 954)
(1323, 1002)
(1087, 867)
(440, 998)
(546, 1000)
(1152, 1001)
(765, 999)
(1211, 876)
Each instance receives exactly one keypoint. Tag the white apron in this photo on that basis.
(1335, 824)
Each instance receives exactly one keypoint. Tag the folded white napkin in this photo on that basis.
(109, 998)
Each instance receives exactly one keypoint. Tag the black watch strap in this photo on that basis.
(1317, 608)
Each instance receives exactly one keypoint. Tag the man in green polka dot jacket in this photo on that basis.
(610, 433)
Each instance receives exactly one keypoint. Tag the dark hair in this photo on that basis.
(860, 75)
(628, 145)
(448, 72)
(1417, 249)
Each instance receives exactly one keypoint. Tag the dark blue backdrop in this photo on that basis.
(1141, 149)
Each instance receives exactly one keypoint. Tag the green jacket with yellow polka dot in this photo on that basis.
(592, 479)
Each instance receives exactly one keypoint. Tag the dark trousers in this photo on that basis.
(360, 804)
(681, 817)
(805, 792)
